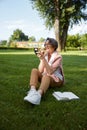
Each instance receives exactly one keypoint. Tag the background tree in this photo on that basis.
(73, 41)
(61, 14)
(41, 39)
(83, 40)
(32, 39)
(3, 43)
(77, 41)
(18, 35)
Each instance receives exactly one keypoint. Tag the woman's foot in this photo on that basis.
(33, 97)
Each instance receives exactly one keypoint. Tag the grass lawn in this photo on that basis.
(15, 114)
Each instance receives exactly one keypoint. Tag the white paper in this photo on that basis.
(65, 95)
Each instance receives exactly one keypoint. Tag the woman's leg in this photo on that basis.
(47, 82)
(34, 96)
(35, 76)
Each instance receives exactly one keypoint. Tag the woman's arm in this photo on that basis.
(49, 68)
(41, 66)
(44, 64)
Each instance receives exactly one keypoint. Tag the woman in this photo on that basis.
(49, 72)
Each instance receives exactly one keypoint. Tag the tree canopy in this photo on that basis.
(32, 39)
(61, 14)
(18, 35)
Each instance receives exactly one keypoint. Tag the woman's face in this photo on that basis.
(49, 48)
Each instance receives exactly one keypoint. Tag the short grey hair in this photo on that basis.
(52, 42)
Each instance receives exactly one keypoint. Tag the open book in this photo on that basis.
(64, 95)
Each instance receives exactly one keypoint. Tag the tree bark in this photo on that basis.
(64, 36)
(60, 34)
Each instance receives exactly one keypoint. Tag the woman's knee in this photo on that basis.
(35, 69)
(35, 72)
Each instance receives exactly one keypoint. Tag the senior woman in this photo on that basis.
(49, 72)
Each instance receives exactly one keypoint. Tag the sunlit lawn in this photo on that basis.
(15, 114)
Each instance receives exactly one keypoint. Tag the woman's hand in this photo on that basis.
(40, 54)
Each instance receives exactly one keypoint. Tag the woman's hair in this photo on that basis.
(52, 42)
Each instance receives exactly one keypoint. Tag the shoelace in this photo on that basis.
(31, 90)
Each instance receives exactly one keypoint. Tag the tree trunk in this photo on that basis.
(57, 34)
(61, 34)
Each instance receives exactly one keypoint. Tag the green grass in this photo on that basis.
(15, 114)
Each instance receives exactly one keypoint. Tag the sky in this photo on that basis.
(19, 14)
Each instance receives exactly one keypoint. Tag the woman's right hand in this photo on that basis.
(40, 54)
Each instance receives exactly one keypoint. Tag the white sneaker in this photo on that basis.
(29, 93)
(33, 97)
